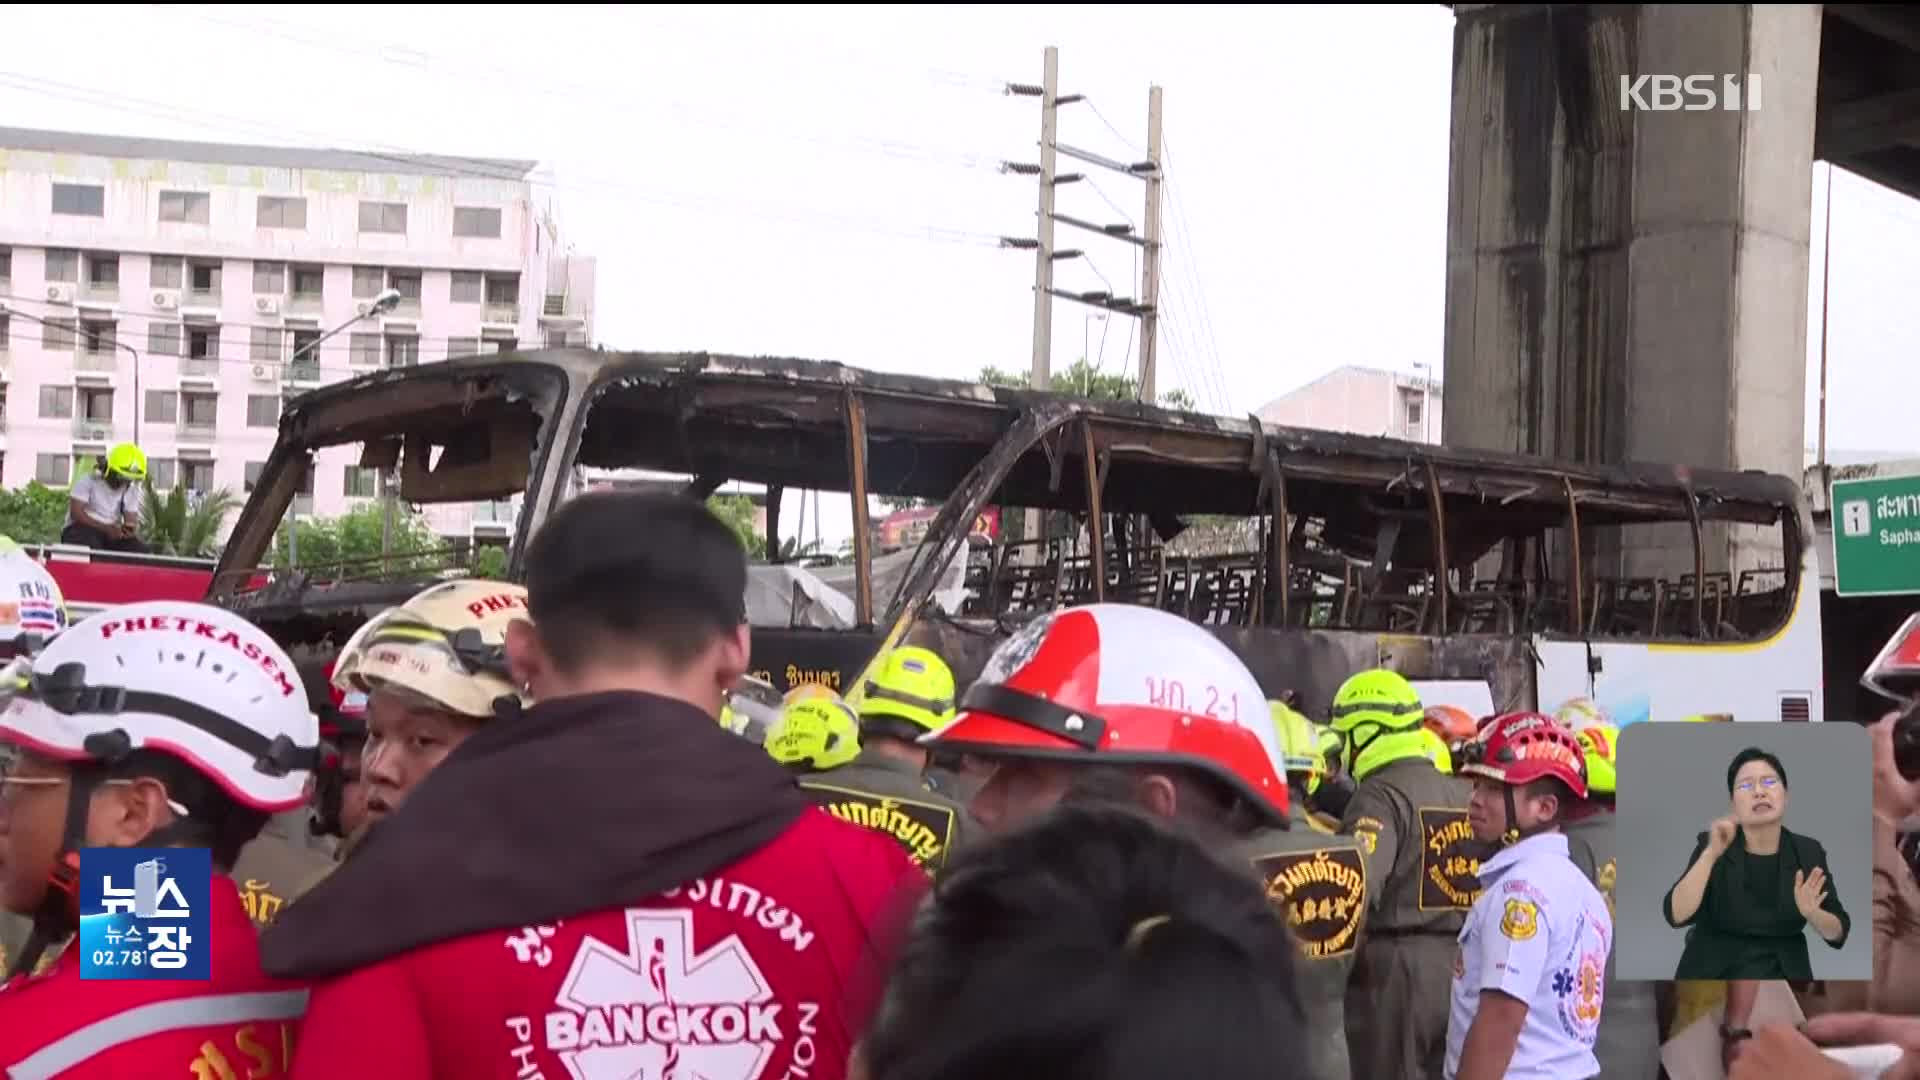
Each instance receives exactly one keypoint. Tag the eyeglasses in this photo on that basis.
(1768, 782)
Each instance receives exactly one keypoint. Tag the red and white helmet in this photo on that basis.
(1130, 685)
(1520, 748)
(191, 680)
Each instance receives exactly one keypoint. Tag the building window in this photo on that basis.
(364, 350)
(163, 407)
(57, 335)
(97, 335)
(162, 472)
(277, 212)
(306, 348)
(503, 288)
(406, 283)
(402, 351)
(96, 405)
(166, 273)
(163, 339)
(263, 410)
(6, 264)
(267, 342)
(203, 341)
(199, 473)
(189, 207)
(6, 331)
(383, 217)
(53, 470)
(494, 343)
(270, 278)
(252, 475)
(466, 287)
(205, 277)
(63, 265)
(462, 346)
(82, 200)
(309, 282)
(367, 282)
(202, 410)
(103, 271)
(1414, 408)
(56, 403)
(476, 221)
(362, 483)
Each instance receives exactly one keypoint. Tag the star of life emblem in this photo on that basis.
(657, 1010)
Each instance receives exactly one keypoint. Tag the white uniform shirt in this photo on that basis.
(102, 501)
(1540, 932)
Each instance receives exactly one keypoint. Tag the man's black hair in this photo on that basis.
(615, 571)
(1752, 754)
(1093, 942)
(214, 819)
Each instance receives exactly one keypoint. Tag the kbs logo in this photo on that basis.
(1690, 93)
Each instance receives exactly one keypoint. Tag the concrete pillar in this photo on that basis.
(1626, 284)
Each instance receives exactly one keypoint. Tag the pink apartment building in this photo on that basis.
(187, 282)
(1363, 401)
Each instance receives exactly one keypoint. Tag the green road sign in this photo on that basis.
(1876, 536)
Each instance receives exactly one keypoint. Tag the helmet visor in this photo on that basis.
(398, 636)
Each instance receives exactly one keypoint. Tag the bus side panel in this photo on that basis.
(1762, 680)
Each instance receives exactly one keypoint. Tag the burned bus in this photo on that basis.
(1491, 580)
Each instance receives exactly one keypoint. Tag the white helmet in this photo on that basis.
(30, 600)
(446, 645)
(191, 680)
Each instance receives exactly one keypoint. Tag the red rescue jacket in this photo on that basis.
(607, 886)
(238, 1023)
(743, 974)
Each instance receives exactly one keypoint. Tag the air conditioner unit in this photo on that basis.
(60, 293)
(263, 372)
(266, 305)
(166, 300)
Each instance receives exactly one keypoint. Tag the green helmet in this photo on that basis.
(1381, 716)
(127, 460)
(817, 733)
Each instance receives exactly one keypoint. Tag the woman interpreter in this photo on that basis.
(1752, 886)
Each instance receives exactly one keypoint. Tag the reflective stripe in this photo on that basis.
(155, 1019)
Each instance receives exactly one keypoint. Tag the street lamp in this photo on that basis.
(92, 338)
(383, 303)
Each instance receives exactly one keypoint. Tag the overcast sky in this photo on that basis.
(816, 182)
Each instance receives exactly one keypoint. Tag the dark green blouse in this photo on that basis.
(1747, 925)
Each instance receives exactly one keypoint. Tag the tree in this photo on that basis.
(489, 561)
(740, 515)
(1084, 380)
(33, 514)
(354, 538)
(176, 524)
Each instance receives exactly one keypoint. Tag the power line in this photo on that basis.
(478, 170)
(1214, 369)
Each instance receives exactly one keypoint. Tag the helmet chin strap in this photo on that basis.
(1515, 833)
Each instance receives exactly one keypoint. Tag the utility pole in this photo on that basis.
(1043, 255)
(1150, 264)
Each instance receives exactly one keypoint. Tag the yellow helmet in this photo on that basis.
(127, 460)
(817, 732)
(446, 645)
(806, 690)
(1299, 745)
(1601, 742)
(1380, 715)
(1580, 713)
(914, 685)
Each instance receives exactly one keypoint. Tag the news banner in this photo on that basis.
(143, 913)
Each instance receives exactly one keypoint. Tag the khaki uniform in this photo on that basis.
(890, 795)
(1629, 1043)
(1320, 879)
(278, 866)
(1423, 875)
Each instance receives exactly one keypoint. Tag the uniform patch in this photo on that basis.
(1367, 831)
(1449, 870)
(1324, 893)
(1521, 920)
(1580, 990)
(923, 829)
